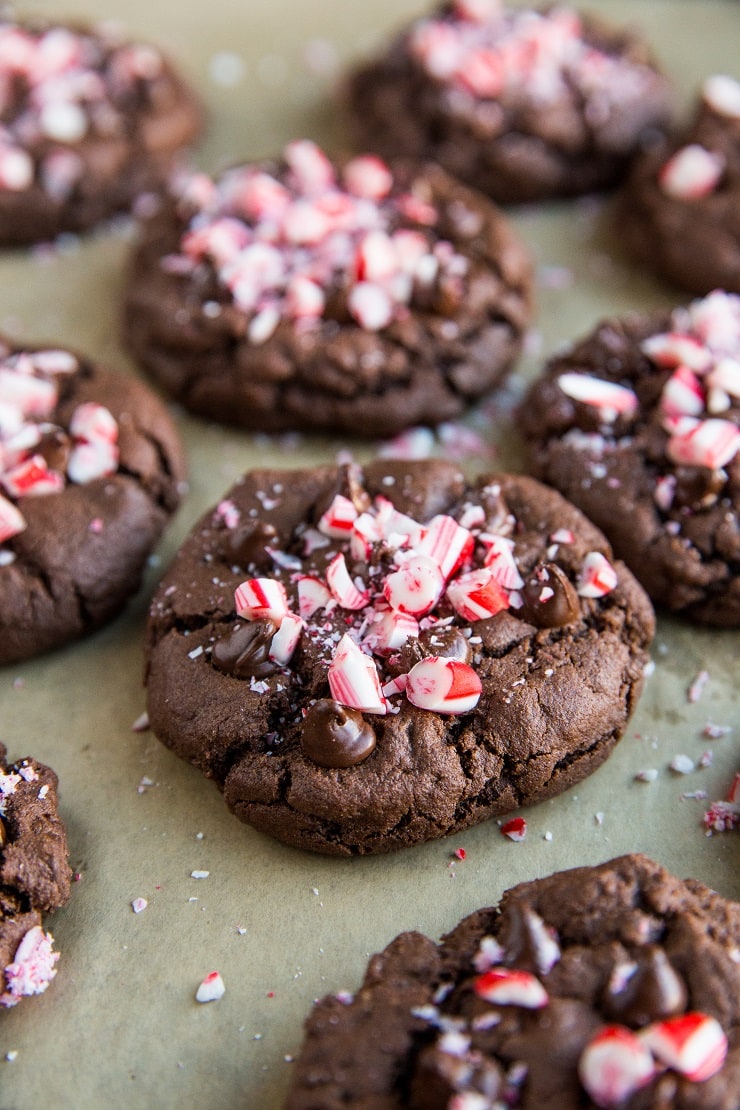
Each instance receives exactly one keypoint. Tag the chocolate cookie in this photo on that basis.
(680, 210)
(615, 986)
(521, 104)
(89, 121)
(639, 425)
(34, 876)
(90, 466)
(298, 295)
(368, 659)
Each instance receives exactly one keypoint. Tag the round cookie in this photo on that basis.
(522, 104)
(639, 425)
(615, 986)
(90, 467)
(89, 122)
(299, 295)
(679, 213)
(34, 876)
(366, 659)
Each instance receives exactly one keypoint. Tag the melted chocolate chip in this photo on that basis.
(244, 652)
(334, 736)
(54, 446)
(698, 487)
(246, 545)
(526, 939)
(549, 598)
(652, 992)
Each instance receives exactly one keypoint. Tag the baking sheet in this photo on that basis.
(120, 1026)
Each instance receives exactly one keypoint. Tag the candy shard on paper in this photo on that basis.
(693, 1044)
(614, 1065)
(211, 988)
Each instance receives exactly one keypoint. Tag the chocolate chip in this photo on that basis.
(698, 487)
(246, 545)
(335, 736)
(447, 643)
(652, 992)
(244, 652)
(54, 446)
(549, 598)
(3, 834)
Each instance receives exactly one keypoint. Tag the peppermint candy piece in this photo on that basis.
(447, 543)
(91, 460)
(682, 394)
(341, 586)
(367, 177)
(338, 520)
(442, 685)
(312, 595)
(711, 443)
(505, 986)
(389, 630)
(285, 640)
(477, 595)
(693, 1044)
(611, 399)
(34, 396)
(691, 173)
(415, 587)
(353, 679)
(211, 988)
(261, 599)
(12, 520)
(370, 306)
(722, 94)
(32, 478)
(677, 349)
(598, 577)
(16, 169)
(614, 1065)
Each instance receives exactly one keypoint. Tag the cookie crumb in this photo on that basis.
(696, 689)
(199, 874)
(682, 764)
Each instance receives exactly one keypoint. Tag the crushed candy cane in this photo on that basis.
(32, 968)
(485, 50)
(211, 988)
(38, 458)
(724, 816)
(515, 829)
(380, 579)
(283, 244)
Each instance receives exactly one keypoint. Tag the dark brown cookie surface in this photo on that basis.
(680, 210)
(391, 600)
(582, 989)
(521, 104)
(89, 122)
(34, 876)
(300, 295)
(639, 425)
(90, 465)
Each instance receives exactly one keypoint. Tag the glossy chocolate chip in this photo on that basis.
(54, 446)
(244, 652)
(247, 544)
(549, 598)
(652, 990)
(334, 736)
(698, 487)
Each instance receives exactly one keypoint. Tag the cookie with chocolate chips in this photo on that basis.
(34, 876)
(609, 986)
(679, 213)
(89, 122)
(365, 659)
(523, 105)
(90, 472)
(639, 425)
(302, 295)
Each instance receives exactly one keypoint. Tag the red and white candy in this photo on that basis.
(261, 599)
(312, 595)
(477, 595)
(691, 173)
(285, 640)
(447, 543)
(415, 587)
(443, 685)
(693, 1044)
(338, 520)
(505, 986)
(612, 400)
(598, 577)
(711, 443)
(342, 588)
(614, 1065)
(353, 679)
(12, 520)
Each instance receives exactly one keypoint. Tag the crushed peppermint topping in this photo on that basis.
(38, 457)
(32, 968)
(491, 52)
(288, 245)
(724, 816)
(387, 579)
(211, 988)
(60, 86)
